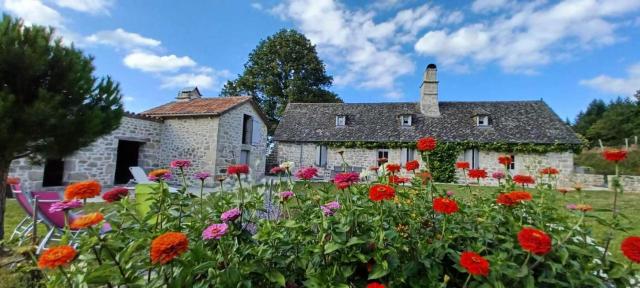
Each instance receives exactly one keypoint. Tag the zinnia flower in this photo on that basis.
(57, 256)
(450, 193)
(238, 169)
(382, 160)
(477, 173)
(342, 185)
(287, 165)
(462, 165)
(276, 170)
(426, 144)
(424, 176)
(88, 220)
(13, 180)
(474, 263)
(375, 285)
(505, 160)
(64, 205)
(347, 177)
(549, 171)
(82, 190)
(374, 168)
(631, 248)
(160, 174)
(563, 190)
(215, 231)
(497, 175)
(412, 165)
(307, 173)
(230, 215)
(580, 207)
(392, 167)
(395, 179)
(168, 246)
(523, 179)
(513, 198)
(614, 155)
(379, 192)
(115, 194)
(445, 205)
(180, 164)
(534, 241)
(285, 195)
(202, 175)
(330, 208)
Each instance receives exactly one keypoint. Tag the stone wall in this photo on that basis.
(98, 160)
(588, 180)
(192, 139)
(629, 183)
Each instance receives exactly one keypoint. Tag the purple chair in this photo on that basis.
(55, 220)
(24, 228)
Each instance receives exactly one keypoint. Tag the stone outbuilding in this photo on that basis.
(211, 132)
(313, 134)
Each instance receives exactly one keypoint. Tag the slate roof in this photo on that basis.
(512, 122)
(197, 107)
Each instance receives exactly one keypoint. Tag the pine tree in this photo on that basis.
(50, 102)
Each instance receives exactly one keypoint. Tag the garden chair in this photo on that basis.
(141, 178)
(55, 220)
(24, 228)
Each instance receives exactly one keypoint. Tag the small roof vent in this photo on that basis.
(189, 93)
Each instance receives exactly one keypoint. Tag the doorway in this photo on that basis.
(128, 152)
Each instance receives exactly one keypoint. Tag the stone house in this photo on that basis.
(311, 134)
(211, 132)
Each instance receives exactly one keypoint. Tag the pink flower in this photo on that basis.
(215, 231)
(276, 170)
(180, 164)
(166, 176)
(498, 175)
(307, 173)
(64, 205)
(285, 195)
(450, 193)
(571, 206)
(330, 208)
(202, 175)
(347, 177)
(230, 215)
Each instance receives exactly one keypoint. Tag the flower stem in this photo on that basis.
(466, 281)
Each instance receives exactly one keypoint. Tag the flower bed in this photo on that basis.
(351, 234)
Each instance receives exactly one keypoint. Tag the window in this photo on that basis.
(383, 156)
(321, 156)
(473, 157)
(405, 120)
(247, 129)
(512, 166)
(406, 155)
(244, 157)
(53, 172)
(483, 120)
(341, 120)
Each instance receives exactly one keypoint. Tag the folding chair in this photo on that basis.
(55, 220)
(22, 232)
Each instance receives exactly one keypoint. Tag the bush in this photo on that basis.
(401, 235)
(598, 165)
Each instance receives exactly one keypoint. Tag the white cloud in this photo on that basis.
(154, 63)
(34, 12)
(257, 6)
(621, 86)
(87, 6)
(454, 17)
(128, 99)
(203, 77)
(483, 6)
(122, 38)
(365, 52)
(531, 35)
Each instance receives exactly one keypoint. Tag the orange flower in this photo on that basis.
(424, 176)
(445, 205)
(168, 246)
(57, 256)
(584, 207)
(563, 190)
(549, 171)
(13, 180)
(88, 220)
(82, 190)
(534, 241)
(631, 248)
(426, 144)
(614, 155)
(474, 263)
(412, 165)
(504, 160)
(159, 173)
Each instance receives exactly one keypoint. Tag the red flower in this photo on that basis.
(115, 194)
(513, 198)
(614, 155)
(462, 165)
(342, 185)
(523, 179)
(373, 168)
(445, 205)
(426, 144)
(504, 160)
(375, 285)
(474, 263)
(412, 165)
(631, 248)
(238, 169)
(393, 168)
(534, 241)
(168, 246)
(382, 160)
(307, 173)
(379, 192)
(549, 171)
(347, 177)
(395, 179)
(477, 173)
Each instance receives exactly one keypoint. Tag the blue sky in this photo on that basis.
(565, 52)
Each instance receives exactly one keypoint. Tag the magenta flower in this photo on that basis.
(230, 215)
(215, 231)
(498, 175)
(202, 175)
(307, 173)
(165, 177)
(572, 206)
(106, 227)
(276, 170)
(180, 164)
(347, 177)
(285, 195)
(450, 193)
(64, 205)
(330, 208)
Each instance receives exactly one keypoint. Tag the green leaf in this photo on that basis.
(275, 277)
(101, 275)
(378, 271)
(354, 241)
(331, 246)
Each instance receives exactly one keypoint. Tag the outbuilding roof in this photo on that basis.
(215, 106)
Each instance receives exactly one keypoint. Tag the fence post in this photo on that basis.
(34, 218)
(626, 143)
(601, 146)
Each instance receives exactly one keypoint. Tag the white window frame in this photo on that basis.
(322, 153)
(512, 165)
(383, 151)
(341, 120)
(482, 120)
(406, 155)
(473, 157)
(405, 120)
(246, 154)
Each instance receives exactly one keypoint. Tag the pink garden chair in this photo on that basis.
(54, 220)
(25, 227)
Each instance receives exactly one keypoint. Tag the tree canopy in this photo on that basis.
(283, 68)
(51, 104)
(610, 122)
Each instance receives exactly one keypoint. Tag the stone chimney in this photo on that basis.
(189, 93)
(429, 92)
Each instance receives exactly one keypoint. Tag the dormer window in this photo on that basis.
(341, 120)
(482, 120)
(405, 120)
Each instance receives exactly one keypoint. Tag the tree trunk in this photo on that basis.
(4, 172)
